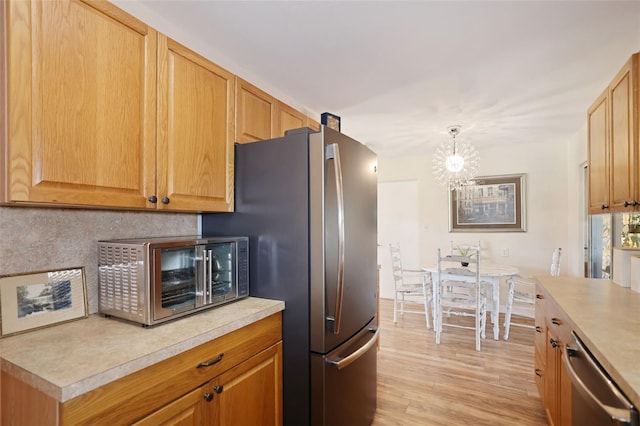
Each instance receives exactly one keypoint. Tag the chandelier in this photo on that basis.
(455, 162)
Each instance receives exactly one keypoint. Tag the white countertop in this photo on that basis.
(70, 359)
(607, 318)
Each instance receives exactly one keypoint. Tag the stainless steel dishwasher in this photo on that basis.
(595, 400)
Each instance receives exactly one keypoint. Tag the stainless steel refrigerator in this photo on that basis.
(307, 202)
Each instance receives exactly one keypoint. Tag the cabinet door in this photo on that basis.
(289, 118)
(80, 105)
(255, 113)
(622, 138)
(565, 388)
(189, 410)
(598, 156)
(195, 131)
(251, 393)
(313, 123)
(552, 365)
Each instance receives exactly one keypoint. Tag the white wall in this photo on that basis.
(552, 204)
(577, 158)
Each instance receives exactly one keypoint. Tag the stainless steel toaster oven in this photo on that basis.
(153, 280)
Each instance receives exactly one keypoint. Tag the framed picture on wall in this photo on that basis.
(492, 204)
(41, 299)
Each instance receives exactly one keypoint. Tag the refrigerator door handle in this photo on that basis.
(341, 363)
(333, 153)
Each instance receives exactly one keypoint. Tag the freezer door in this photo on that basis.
(343, 382)
(343, 240)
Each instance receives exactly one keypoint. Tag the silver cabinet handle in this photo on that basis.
(344, 362)
(334, 153)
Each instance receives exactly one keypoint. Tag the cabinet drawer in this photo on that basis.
(140, 393)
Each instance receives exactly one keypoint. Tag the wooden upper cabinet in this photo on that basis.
(260, 116)
(103, 111)
(614, 144)
(196, 101)
(315, 125)
(623, 150)
(598, 155)
(80, 105)
(255, 113)
(288, 118)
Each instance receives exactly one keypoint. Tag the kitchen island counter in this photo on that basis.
(607, 318)
(71, 359)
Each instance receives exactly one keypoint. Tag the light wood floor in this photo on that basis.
(421, 383)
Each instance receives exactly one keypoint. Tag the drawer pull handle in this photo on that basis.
(538, 329)
(538, 372)
(208, 396)
(539, 296)
(555, 321)
(554, 343)
(218, 389)
(210, 363)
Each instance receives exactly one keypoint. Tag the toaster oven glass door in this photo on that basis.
(220, 272)
(177, 280)
(193, 277)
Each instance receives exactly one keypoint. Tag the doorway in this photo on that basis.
(398, 224)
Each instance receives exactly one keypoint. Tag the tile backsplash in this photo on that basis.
(38, 239)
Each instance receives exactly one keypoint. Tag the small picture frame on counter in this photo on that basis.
(332, 121)
(42, 299)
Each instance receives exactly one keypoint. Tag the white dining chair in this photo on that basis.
(521, 295)
(412, 294)
(459, 292)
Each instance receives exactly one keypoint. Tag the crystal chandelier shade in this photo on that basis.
(455, 162)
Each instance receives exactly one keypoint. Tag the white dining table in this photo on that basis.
(490, 273)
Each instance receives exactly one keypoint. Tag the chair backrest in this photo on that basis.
(445, 267)
(555, 262)
(396, 263)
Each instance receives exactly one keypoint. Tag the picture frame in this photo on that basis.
(42, 299)
(491, 204)
(332, 121)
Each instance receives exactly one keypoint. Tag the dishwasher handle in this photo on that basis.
(622, 415)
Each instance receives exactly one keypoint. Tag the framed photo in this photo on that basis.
(332, 121)
(492, 204)
(41, 299)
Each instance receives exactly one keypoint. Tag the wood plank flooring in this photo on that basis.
(421, 383)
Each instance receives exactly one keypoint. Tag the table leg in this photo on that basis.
(495, 309)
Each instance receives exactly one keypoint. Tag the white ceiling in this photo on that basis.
(399, 73)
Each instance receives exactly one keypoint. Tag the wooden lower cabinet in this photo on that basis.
(540, 346)
(553, 333)
(187, 410)
(235, 379)
(251, 393)
(254, 383)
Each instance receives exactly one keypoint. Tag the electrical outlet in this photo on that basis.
(505, 252)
